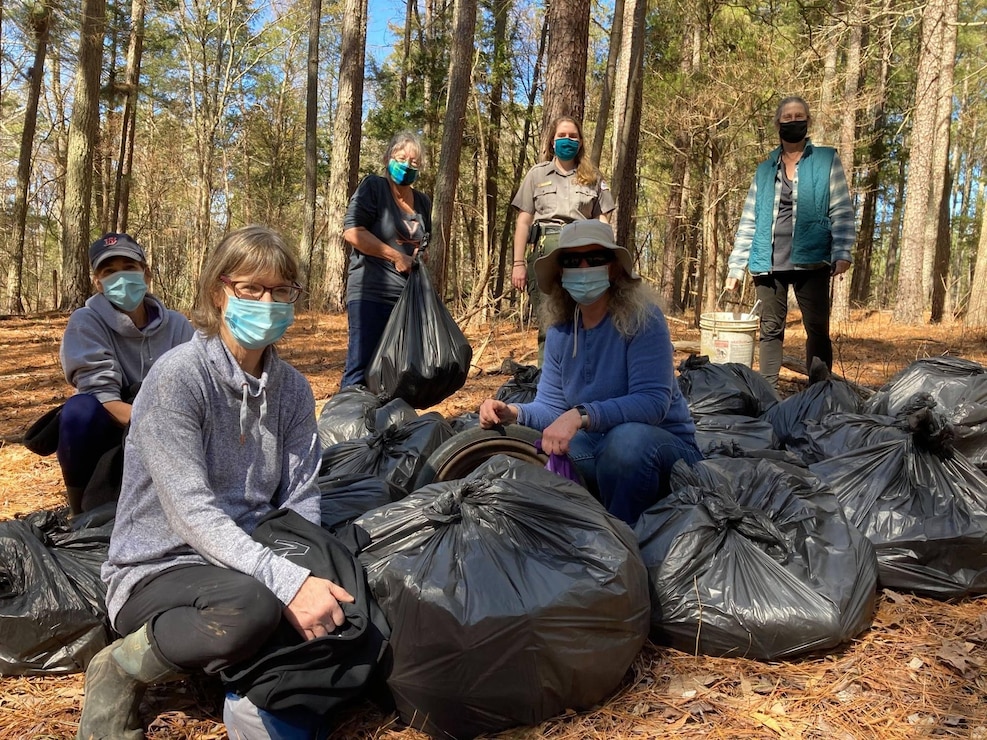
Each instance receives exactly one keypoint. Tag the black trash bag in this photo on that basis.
(52, 600)
(355, 412)
(816, 402)
(522, 387)
(754, 558)
(396, 454)
(944, 378)
(714, 434)
(923, 505)
(345, 499)
(423, 356)
(728, 388)
(513, 597)
(958, 386)
(322, 674)
(466, 420)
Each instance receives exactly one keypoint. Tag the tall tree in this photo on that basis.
(77, 208)
(447, 177)
(125, 162)
(976, 314)
(627, 120)
(609, 78)
(911, 299)
(307, 241)
(568, 48)
(39, 18)
(344, 160)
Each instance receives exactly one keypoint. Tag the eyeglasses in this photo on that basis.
(248, 291)
(596, 258)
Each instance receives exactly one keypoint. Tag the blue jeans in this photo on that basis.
(367, 320)
(628, 467)
(86, 431)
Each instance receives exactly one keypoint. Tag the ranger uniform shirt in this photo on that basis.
(552, 195)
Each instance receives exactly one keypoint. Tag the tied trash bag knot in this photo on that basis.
(447, 506)
(753, 524)
(929, 428)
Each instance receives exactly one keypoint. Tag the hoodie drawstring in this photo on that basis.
(243, 413)
(245, 410)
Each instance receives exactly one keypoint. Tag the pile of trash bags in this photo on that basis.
(510, 595)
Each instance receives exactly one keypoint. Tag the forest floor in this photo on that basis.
(916, 673)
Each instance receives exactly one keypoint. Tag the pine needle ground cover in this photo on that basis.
(917, 673)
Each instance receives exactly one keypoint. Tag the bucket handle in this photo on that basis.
(719, 300)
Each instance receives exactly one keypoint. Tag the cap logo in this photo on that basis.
(110, 241)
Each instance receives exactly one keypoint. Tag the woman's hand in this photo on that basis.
(731, 284)
(402, 262)
(519, 276)
(839, 267)
(555, 439)
(315, 610)
(494, 412)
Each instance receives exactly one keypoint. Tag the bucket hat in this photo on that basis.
(587, 233)
(115, 245)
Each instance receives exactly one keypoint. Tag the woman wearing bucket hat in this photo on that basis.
(797, 229)
(607, 395)
(565, 186)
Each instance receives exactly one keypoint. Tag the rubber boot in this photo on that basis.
(74, 496)
(115, 682)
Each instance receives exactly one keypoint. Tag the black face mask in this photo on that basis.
(793, 131)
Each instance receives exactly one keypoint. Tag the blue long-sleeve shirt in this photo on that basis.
(617, 380)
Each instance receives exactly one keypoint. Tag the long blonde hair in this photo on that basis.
(587, 173)
(630, 307)
(250, 249)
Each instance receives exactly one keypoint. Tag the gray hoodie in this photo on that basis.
(103, 352)
(212, 450)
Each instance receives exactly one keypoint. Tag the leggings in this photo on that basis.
(202, 616)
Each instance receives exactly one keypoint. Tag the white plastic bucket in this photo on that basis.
(728, 337)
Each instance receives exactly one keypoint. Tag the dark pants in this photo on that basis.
(202, 616)
(367, 320)
(628, 467)
(86, 431)
(812, 294)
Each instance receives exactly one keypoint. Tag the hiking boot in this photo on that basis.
(115, 682)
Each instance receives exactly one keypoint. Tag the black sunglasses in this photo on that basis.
(596, 258)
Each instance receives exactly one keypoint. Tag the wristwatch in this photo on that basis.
(583, 416)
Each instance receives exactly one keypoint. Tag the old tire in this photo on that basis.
(463, 453)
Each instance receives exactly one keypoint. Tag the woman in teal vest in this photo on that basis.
(797, 229)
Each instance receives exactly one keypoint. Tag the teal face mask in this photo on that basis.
(125, 289)
(566, 149)
(256, 324)
(586, 284)
(401, 172)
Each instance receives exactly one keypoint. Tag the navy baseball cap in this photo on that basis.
(115, 245)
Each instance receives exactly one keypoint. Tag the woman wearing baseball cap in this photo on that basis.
(108, 348)
(607, 395)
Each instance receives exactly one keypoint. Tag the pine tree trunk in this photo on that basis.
(606, 87)
(135, 46)
(83, 132)
(40, 26)
(344, 156)
(568, 48)
(307, 242)
(447, 176)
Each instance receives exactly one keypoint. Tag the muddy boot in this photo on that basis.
(115, 682)
(74, 496)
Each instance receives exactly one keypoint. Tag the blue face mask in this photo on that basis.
(256, 324)
(566, 149)
(586, 284)
(401, 172)
(125, 289)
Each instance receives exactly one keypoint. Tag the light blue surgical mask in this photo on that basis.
(256, 324)
(566, 149)
(125, 289)
(586, 284)
(401, 172)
